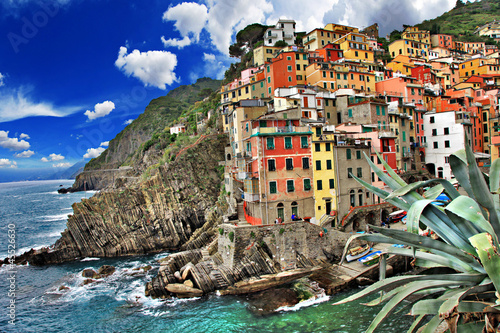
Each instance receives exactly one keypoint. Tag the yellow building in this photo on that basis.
(323, 172)
(414, 34)
(402, 64)
(318, 38)
(355, 47)
(339, 28)
(346, 75)
(478, 66)
(409, 48)
(241, 89)
(263, 54)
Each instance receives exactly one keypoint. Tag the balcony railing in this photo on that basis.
(251, 197)
(280, 130)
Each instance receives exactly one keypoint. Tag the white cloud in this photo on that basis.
(14, 104)
(153, 68)
(52, 157)
(208, 57)
(189, 17)
(4, 163)
(2, 77)
(24, 136)
(176, 42)
(61, 165)
(128, 121)
(25, 154)
(100, 110)
(105, 144)
(12, 143)
(94, 152)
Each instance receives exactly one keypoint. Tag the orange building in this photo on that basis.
(287, 69)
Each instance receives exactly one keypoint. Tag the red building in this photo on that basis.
(424, 75)
(279, 175)
(330, 52)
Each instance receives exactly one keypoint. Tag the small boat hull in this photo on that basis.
(370, 259)
(350, 257)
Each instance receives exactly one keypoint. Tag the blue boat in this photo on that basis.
(371, 258)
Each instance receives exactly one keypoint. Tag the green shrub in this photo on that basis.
(221, 231)
(231, 236)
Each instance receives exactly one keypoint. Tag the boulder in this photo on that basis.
(88, 273)
(183, 291)
(146, 268)
(268, 301)
(106, 270)
(87, 281)
(362, 281)
(189, 283)
(61, 288)
(186, 270)
(178, 276)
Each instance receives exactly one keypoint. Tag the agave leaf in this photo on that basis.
(440, 259)
(405, 189)
(393, 183)
(397, 281)
(449, 306)
(389, 170)
(467, 228)
(495, 176)
(458, 164)
(432, 325)
(416, 323)
(414, 213)
(384, 297)
(467, 307)
(489, 256)
(426, 307)
(482, 192)
(434, 192)
(409, 290)
(426, 263)
(468, 209)
(471, 327)
(428, 243)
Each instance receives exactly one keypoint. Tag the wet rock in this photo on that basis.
(87, 281)
(268, 301)
(61, 288)
(89, 273)
(362, 281)
(146, 268)
(106, 270)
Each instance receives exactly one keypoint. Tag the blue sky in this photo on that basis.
(74, 72)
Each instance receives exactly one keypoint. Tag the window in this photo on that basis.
(318, 132)
(273, 187)
(349, 112)
(446, 131)
(332, 183)
(271, 165)
(328, 164)
(303, 142)
(288, 142)
(289, 163)
(436, 144)
(349, 172)
(319, 185)
(270, 143)
(317, 147)
(446, 159)
(434, 132)
(359, 172)
(377, 107)
(327, 146)
(318, 165)
(431, 120)
(249, 147)
(348, 154)
(404, 136)
(447, 144)
(305, 162)
(358, 154)
(307, 184)
(290, 186)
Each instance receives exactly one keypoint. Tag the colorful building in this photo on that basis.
(284, 30)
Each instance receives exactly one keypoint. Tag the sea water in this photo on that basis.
(117, 303)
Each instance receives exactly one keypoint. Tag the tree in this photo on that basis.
(281, 43)
(466, 295)
(459, 4)
(236, 50)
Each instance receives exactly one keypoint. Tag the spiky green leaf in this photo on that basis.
(489, 256)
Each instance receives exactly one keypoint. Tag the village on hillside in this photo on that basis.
(303, 117)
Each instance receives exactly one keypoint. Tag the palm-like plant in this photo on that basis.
(469, 232)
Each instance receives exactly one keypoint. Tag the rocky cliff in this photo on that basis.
(157, 214)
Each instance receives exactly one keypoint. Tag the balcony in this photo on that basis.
(244, 175)
(406, 154)
(281, 130)
(423, 144)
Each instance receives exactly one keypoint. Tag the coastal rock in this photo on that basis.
(62, 288)
(106, 270)
(189, 283)
(268, 301)
(87, 281)
(186, 270)
(363, 281)
(159, 214)
(183, 291)
(178, 276)
(89, 273)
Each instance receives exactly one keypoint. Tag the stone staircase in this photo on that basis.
(241, 215)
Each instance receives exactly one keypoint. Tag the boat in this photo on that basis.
(358, 252)
(370, 259)
(397, 216)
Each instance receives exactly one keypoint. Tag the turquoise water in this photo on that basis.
(118, 304)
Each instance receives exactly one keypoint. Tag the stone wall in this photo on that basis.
(288, 244)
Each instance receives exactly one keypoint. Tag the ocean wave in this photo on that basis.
(90, 259)
(312, 301)
(53, 218)
(50, 234)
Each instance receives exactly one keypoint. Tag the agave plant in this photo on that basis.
(467, 296)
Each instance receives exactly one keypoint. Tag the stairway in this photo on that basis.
(241, 215)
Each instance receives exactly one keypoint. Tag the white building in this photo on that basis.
(283, 30)
(444, 133)
(177, 129)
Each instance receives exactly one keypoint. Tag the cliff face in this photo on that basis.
(157, 214)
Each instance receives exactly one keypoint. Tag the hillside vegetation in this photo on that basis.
(463, 20)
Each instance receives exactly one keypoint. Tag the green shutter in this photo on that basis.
(329, 164)
(358, 154)
(289, 186)
(349, 112)
(377, 107)
(318, 165)
(272, 187)
(319, 185)
(270, 143)
(288, 143)
(383, 110)
(332, 183)
(307, 184)
(303, 142)
(348, 154)
(404, 136)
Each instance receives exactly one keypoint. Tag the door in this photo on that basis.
(328, 207)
